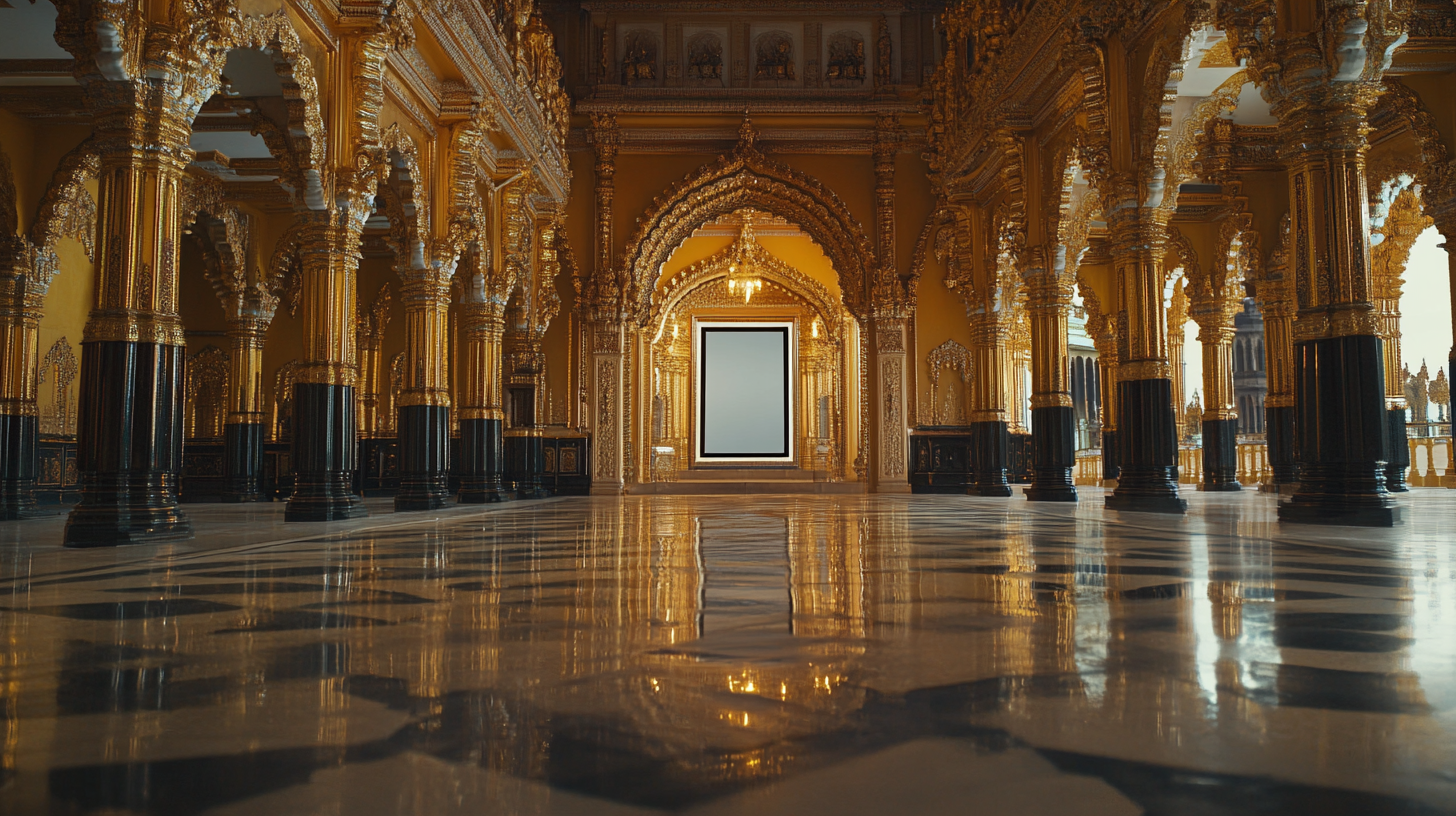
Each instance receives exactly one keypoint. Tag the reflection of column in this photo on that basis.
(20, 313)
(1276, 303)
(890, 370)
(482, 323)
(1053, 416)
(1339, 361)
(243, 435)
(423, 428)
(1148, 441)
(129, 443)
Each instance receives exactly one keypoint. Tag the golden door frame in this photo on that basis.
(828, 381)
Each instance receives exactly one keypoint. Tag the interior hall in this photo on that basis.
(664, 406)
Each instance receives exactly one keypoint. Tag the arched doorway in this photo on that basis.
(800, 400)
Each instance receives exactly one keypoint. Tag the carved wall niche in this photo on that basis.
(57, 399)
(846, 56)
(777, 55)
(950, 385)
(639, 57)
(705, 58)
(207, 393)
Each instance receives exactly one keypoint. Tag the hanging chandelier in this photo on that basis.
(741, 277)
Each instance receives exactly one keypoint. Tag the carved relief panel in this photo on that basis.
(57, 399)
(777, 54)
(705, 57)
(844, 55)
(639, 54)
(207, 392)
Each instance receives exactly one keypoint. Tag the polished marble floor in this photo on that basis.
(737, 655)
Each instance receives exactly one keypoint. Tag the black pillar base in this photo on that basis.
(1054, 453)
(1399, 451)
(482, 460)
(424, 450)
(19, 436)
(242, 455)
(990, 449)
(525, 461)
(130, 446)
(1110, 469)
(1147, 449)
(1279, 435)
(1220, 456)
(1342, 434)
(323, 454)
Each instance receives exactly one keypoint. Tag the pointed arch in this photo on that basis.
(743, 178)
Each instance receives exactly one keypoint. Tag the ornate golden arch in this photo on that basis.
(742, 179)
(766, 266)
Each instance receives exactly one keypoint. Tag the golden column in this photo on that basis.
(22, 293)
(990, 360)
(371, 324)
(1445, 218)
(482, 416)
(892, 365)
(1342, 424)
(246, 426)
(1275, 292)
(129, 450)
(1403, 223)
(1148, 439)
(1177, 326)
(1220, 416)
(423, 424)
(607, 331)
(1053, 417)
(324, 431)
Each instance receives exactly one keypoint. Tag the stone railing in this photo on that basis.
(1088, 471)
(1430, 462)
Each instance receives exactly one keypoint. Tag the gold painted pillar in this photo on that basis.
(892, 475)
(129, 413)
(1220, 414)
(1341, 425)
(1053, 417)
(1177, 325)
(246, 427)
(1107, 367)
(1403, 225)
(423, 423)
(21, 298)
(372, 379)
(325, 436)
(607, 346)
(1445, 217)
(607, 330)
(990, 394)
(892, 366)
(1275, 292)
(1148, 438)
(481, 405)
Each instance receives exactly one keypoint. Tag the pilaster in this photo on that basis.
(890, 361)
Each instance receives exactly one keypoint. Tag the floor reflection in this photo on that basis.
(732, 655)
